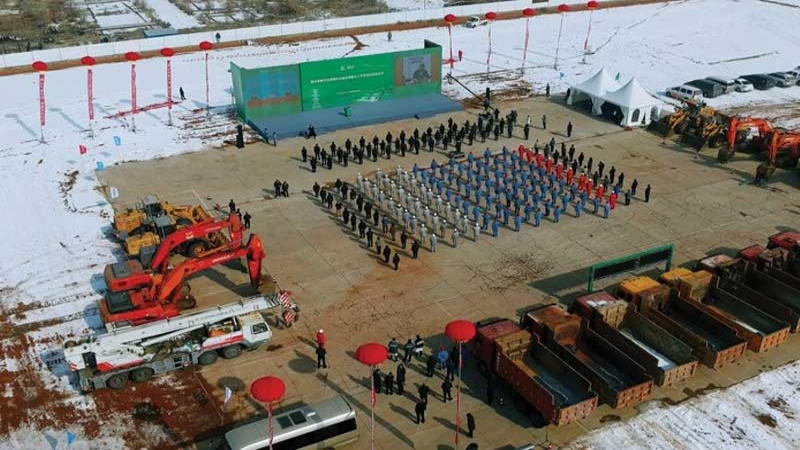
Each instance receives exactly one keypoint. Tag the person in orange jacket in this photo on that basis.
(321, 338)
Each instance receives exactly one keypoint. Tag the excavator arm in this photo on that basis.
(179, 237)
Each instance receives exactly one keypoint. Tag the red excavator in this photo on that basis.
(783, 150)
(738, 130)
(165, 294)
(130, 274)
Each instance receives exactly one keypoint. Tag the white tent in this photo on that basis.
(595, 88)
(638, 107)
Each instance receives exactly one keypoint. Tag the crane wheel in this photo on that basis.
(231, 352)
(207, 358)
(117, 381)
(142, 375)
(70, 344)
(195, 250)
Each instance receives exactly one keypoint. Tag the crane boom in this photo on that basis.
(179, 237)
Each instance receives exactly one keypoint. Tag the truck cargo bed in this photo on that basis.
(761, 330)
(786, 311)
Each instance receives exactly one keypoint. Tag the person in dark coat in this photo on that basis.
(387, 252)
(403, 239)
(423, 392)
(647, 194)
(470, 425)
(304, 154)
(353, 222)
(544, 121)
(634, 185)
(396, 261)
(447, 387)
(401, 378)
(526, 130)
(388, 380)
(232, 206)
(569, 134)
(430, 364)
(277, 185)
(321, 352)
(314, 165)
(420, 410)
(377, 380)
(415, 249)
(247, 218)
(369, 237)
(316, 190)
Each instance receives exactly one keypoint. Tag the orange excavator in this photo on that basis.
(165, 294)
(783, 150)
(130, 274)
(739, 128)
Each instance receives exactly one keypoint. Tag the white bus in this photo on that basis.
(328, 424)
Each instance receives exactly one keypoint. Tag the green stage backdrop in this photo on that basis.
(279, 90)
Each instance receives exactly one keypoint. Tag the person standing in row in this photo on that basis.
(470, 425)
(447, 387)
(408, 350)
(321, 352)
(415, 249)
(401, 377)
(420, 410)
(396, 260)
(387, 252)
(423, 392)
(430, 365)
(388, 380)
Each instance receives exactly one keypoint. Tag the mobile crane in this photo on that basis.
(202, 239)
(165, 294)
(141, 352)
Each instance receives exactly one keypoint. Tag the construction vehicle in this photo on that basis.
(141, 352)
(702, 130)
(537, 376)
(198, 240)
(165, 294)
(743, 133)
(783, 150)
(713, 342)
(152, 220)
(665, 357)
(671, 124)
(616, 377)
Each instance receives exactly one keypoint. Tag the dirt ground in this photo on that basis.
(341, 286)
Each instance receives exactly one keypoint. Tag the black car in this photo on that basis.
(709, 88)
(761, 82)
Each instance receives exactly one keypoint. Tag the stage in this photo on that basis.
(363, 113)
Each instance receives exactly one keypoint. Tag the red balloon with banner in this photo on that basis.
(450, 19)
(268, 390)
(89, 61)
(562, 8)
(490, 17)
(41, 68)
(461, 331)
(591, 6)
(206, 46)
(372, 354)
(528, 13)
(168, 53)
(132, 57)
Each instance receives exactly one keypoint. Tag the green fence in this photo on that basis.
(271, 91)
(630, 263)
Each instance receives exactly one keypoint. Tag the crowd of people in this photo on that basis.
(475, 195)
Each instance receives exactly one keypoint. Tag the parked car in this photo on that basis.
(684, 92)
(728, 84)
(796, 74)
(784, 79)
(475, 21)
(710, 89)
(761, 82)
(742, 85)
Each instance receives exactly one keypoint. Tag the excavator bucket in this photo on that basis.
(659, 127)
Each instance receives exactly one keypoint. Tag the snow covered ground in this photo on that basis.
(50, 270)
(759, 413)
(168, 12)
(409, 5)
(116, 14)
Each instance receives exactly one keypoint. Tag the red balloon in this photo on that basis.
(372, 354)
(563, 7)
(40, 66)
(132, 56)
(491, 15)
(267, 389)
(460, 330)
(592, 4)
(205, 45)
(88, 61)
(166, 51)
(528, 12)
(450, 18)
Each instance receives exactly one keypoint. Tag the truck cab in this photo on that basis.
(637, 289)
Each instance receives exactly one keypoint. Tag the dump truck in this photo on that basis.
(537, 376)
(139, 353)
(617, 378)
(665, 357)
(713, 342)
(768, 283)
(761, 330)
(786, 311)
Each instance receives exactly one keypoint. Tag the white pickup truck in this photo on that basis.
(475, 22)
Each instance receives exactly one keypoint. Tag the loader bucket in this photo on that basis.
(696, 142)
(659, 128)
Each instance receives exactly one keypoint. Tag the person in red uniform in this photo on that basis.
(600, 191)
(321, 338)
(570, 176)
(612, 200)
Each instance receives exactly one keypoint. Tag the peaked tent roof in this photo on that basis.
(631, 95)
(601, 83)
